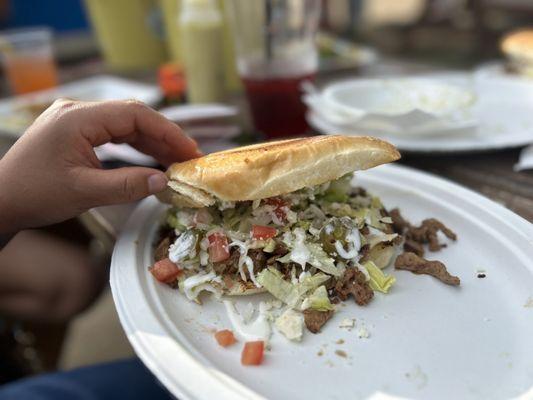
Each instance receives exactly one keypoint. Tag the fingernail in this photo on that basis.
(157, 183)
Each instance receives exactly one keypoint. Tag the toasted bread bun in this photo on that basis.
(518, 44)
(271, 169)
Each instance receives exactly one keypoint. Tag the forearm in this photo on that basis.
(8, 211)
(6, 232)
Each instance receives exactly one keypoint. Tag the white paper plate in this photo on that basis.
(395, 97)
(428, 340)
(14, 120)
(496, 70)
(503, 111)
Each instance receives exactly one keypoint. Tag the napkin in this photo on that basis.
(525, 160)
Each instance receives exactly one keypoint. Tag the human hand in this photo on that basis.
(52, 173)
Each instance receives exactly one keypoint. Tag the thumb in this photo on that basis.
(123, 185)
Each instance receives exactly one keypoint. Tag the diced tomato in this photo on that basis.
(261, 232)
(218, 247)
(252, 354)
(165, 271)
(225, 338)
(281, 207)
(202, 216)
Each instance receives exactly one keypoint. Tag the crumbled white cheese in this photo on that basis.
(347, 323)
(363, 333)
(290, 324)
(204, 258)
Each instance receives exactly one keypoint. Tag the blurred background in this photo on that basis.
(206, 66)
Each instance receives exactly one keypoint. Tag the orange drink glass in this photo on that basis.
(28, 59)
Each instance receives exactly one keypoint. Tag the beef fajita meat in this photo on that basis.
(358, 191)
(427, 233)
(364, 252)
(416, 236)
(259, 258)
(353, 283)
(161, 251)
(399, 224)
(418, 265)
(229, 266)
(279, 251)
(412, 246)
(314, 319)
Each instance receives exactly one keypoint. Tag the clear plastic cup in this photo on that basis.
(28, 59)
(276, 53)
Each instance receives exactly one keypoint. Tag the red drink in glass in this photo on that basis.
(276, 105)
(276, 53)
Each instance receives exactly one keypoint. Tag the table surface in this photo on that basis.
(490, 173)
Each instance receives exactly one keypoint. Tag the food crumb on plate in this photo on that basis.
(363, 333)
(340, 341)
(481, 273)
(320, 353)
(341, 353)
(347, 323)
(529, 302)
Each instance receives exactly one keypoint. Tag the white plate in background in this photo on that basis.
(427, 340)
(503, 111)
(497, 70)
(15, 118)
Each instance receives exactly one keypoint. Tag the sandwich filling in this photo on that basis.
(310, 248)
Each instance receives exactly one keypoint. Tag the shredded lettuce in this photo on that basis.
(312, 282)
(379, 281)
(341, 210)
(376, 237)
(320, 260)
(318, 300)
(308, 253)
(272, 280)
(291, 294)
(174, 223)
(338, 190)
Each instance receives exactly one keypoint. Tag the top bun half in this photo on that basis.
(271, 169)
